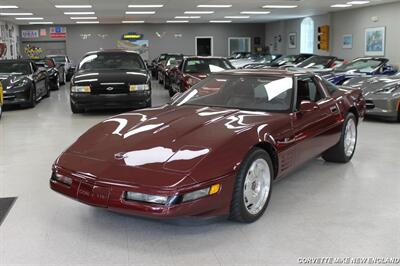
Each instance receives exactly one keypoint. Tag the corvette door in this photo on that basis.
(318, 129)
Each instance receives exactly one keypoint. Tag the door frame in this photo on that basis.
(204, 37)
(232, 38)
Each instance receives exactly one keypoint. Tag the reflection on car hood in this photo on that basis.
(110, 76)
(8, 79)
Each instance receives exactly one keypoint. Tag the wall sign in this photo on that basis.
(132, 36)
(347, 41)
(58, 32)
(43, 32)
(30, 34)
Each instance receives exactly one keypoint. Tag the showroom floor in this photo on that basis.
(323, 209)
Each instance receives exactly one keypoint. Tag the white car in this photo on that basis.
(253, 59)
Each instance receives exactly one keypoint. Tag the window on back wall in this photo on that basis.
(307, 36)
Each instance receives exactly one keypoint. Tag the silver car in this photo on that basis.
(382, 95)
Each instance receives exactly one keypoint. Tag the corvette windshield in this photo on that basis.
(123, 61)
(360, 65)
(316, 62)
(16, 68)
(271, 94)
(206, 65)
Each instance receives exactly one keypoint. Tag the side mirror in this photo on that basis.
(308, 106)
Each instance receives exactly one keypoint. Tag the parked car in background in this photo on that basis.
(64, 66)
(162, 162)
(170, 59)
(365, 66)
(318, 63)
(1, 99)
(24, 83)
(154, 64)
(194, 69)
(239, 55)
(290, 60)
(382, 95)
(254, 59)
(52, 72)
(110, 79)
(170, 68)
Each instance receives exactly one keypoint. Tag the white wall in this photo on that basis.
(9, 34)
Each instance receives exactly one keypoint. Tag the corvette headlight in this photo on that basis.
(141, 87)
(156, 199)
(214, 189)
(85, 89)
(20, 83)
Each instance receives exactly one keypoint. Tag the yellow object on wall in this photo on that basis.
(323, 38)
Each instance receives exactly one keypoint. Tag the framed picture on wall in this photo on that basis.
(292, 40)
(375, 41)
(347, 41)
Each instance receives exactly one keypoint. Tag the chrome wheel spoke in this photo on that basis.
(350, 137)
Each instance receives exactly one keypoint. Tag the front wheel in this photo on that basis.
(344, 150)
(252, 189)
(33, 99)
(75, 109)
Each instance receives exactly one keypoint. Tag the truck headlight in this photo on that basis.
(214, 189)
(156, 199)
(141, 87)
(85, 89)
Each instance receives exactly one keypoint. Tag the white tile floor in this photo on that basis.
(321, 210)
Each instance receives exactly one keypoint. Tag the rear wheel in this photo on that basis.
(344, 150)
(75, 109)
(252, 187)
(63, 76)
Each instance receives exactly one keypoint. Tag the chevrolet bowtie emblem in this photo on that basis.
(110, 88)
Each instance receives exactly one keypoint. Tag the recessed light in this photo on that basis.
(220, 21)
(199, 12)
(255, 12)
(238, 17)
(132, 21)
(87, 22)
(73, 6)
(187, 17)
(214, 6)
(79, 13)
(78, 18)
(341, 5)
(358, 2)
(177, 21)
(279, 6)
(140, 12)
(8, 7)
(40, 23)
(145, 6)
(16, 14)
(29, 18)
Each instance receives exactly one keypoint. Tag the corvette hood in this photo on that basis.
(168, 139)
(8, 79)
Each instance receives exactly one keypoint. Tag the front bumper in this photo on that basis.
(112, 196)
(17, 96)
(384, 108)
(111, 101)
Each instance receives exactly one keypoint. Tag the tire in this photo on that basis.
(33, 100)
(148, 105)
(64, 77)
(160, 79)
(344, 150)
(47, 86)
(76, 110)
(242, 209)
(167, 85)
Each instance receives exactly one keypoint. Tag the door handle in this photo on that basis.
(334, 109)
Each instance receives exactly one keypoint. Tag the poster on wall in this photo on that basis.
(58, 32)
(30, 34)
(347, 41)
(133, 41)
(375, 41)
(292, 40)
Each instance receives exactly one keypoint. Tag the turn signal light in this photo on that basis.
(214, 189)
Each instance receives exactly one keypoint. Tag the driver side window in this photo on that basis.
(307, 90)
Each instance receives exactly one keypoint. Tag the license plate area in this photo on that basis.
(93, 195)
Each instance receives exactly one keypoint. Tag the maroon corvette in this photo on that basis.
(215, 150)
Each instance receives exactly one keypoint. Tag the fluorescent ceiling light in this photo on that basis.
(255, 12)
(78, 18)
(8, 7)
(187, 17)
(237, 17)
(214, 6)
(358, 2)
(341, 5)
(40, 23)
(145, 6)
(140, 12)
(79, 13)
(177, 21)
(199, 12)
(132, 21)
(220, 21)
(73, 6)
(16, 14)
(279, 6)
(87, 22)
(29, 18)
